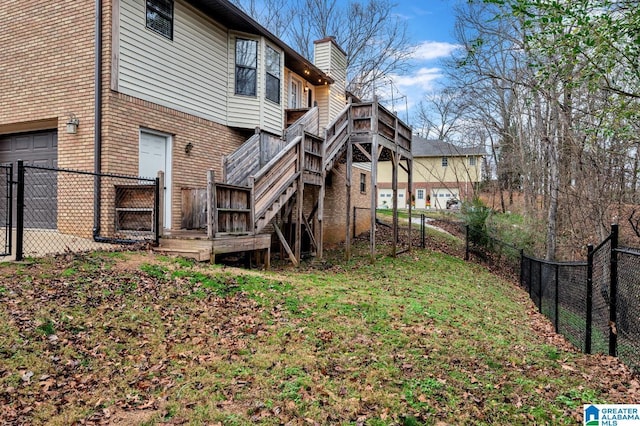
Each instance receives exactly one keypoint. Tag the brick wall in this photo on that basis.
(335, 204)
(47, 71)
(124, 116)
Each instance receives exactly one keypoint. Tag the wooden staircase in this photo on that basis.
(264, 181)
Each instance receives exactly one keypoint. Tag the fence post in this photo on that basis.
(556, 301)
(355, 221)
(10, 209)
(613, 294)
(156, 216)
(588, 325)
(466, 236)
(20, 212)
(422, 230)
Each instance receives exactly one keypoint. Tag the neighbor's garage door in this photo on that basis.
(37, 149)
(439, 197)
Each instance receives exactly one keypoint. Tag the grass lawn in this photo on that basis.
(425, 338)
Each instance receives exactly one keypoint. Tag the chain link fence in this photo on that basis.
(59, 210)
(628, 307)
(595, 304)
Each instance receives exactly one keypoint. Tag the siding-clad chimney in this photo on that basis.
(332, 60)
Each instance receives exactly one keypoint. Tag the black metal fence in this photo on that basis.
(595, 303)
(6, 202)
(56, 210)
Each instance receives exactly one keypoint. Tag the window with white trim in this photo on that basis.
(160, 17)
(420, 194)
(246, 67)
(445, 161)
(472, 161)
(272, 77)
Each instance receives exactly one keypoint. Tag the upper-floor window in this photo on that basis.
(363, 183)
(273, 75)
(246, 67)
(472, 161)
(160, 17)
(445, 161)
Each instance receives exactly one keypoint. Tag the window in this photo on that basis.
(160, 17)
(445, 161)
(294, 94)
(246, 64)
(420, 194)
(363, 183)
(472, 161)
(273, 75)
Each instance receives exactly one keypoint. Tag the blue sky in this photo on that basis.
(430, 24)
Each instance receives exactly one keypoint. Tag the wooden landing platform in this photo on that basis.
(196, 245)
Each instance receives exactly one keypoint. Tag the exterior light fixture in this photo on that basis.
(72, 124)
(188, 147)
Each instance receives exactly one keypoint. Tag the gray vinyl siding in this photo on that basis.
(322, 97)
(273, 113)
(243, 111)
(188, 73)
(331, 99)
(338, 73)
(251, 111)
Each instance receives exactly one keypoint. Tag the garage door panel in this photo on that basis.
(41, 143)
(22, 144)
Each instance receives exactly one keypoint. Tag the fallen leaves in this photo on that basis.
(114, 345)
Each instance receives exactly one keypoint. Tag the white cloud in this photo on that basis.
(423, 78)
(430, 50)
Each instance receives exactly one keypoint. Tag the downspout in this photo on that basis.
(97, 132)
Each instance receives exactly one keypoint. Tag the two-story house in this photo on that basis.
(441, 171)
(135, 87)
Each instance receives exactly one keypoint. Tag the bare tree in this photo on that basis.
(373, 37)
(440, 114)
(274, 15)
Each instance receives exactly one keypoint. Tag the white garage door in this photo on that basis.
(439, 197)
(385, 199)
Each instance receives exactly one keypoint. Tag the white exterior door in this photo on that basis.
(421, 201)
(155, 156)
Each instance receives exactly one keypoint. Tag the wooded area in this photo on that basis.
(552, 89)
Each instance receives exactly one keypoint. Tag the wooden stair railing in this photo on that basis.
(337, 134)
(276, 183)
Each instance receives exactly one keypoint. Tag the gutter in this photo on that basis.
(97, 132)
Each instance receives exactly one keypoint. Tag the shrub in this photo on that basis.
(475, 215)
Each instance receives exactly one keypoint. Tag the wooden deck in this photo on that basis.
(196, 245)
(265, 180)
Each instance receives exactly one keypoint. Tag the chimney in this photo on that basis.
(332, 60)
